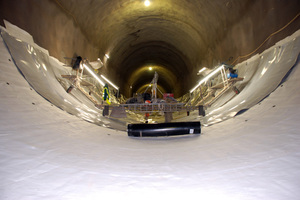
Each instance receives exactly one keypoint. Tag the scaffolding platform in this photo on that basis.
(158, 107)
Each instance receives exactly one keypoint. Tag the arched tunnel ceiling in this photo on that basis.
(179, 37)
(172, 34)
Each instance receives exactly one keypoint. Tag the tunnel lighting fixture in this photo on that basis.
(202, 70)
(107, 56)
(147, 3)
(207, 77)
(93, 74)
(150, 68)
(117, 88)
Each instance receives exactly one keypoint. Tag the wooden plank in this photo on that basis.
(85, 83)
(88, 96)
(235, 79)
(82, 82)
(218, 86)
(70, 77)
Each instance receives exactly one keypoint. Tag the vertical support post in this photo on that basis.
(154, 88)
(168, 117)
(82, 68)
(201, 92)
(224, 78)
(201, 111)
(105, 111)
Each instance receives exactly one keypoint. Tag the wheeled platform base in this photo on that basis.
(163, 129)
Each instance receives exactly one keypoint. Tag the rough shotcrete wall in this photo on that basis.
(181, 36)
(254, 25)
(50, 27)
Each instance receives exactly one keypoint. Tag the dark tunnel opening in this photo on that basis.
(132, 67)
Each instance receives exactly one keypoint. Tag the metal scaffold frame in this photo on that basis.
(158, 107)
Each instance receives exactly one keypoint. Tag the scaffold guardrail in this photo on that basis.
(158, 107)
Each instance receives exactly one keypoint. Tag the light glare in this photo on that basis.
(93, 74)
(117, 88)
(201, 70)
(207, 77)
(147, 3)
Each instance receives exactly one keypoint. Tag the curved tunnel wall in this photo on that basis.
(50, 27)
(49, 149)
(180, 36)
(47, 153)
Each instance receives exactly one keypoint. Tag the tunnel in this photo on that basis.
(177, 37)
(46, 153)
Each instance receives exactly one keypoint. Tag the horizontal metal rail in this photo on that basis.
(158, 107)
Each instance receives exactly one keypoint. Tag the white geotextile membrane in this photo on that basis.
(262, 74)
(46, 153)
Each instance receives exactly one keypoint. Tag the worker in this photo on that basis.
(147, 114)
(106, 96)
(76, 65)
(232, 73)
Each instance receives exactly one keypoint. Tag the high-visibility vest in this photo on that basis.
(106, 96)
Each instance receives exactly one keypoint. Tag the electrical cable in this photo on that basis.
(67, 11)
(267, 39)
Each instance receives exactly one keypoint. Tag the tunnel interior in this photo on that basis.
(48, 150)
(175, 38)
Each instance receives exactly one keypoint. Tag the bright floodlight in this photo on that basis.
(202, 70)
(117, 88)
(93, 74)
(147, 3)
